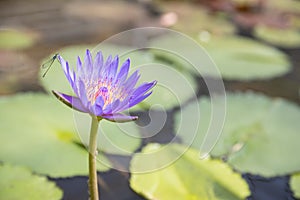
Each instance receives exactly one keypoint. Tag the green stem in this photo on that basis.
(93, 184)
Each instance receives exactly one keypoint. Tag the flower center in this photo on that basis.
(106, 89)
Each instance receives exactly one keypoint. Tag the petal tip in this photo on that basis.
(120, 118)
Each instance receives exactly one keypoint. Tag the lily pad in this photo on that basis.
(174, 87)
(194, 19)
(287, 38)
(237, 58)
(260, 134)
(13, 39)
(41, 133)
(19, 183)
(187, 178)
(295, 185)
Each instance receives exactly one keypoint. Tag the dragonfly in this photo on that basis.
(47, 65)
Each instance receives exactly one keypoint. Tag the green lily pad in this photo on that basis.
(41, 133)
(13, 39)
(260, 134)
(174, 87)
(295, 185)
(274, 36)
(187, 178)
(19, 183)
(236, 57)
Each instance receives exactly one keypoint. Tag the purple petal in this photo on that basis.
(142, 89)
(138, 100)
(98, 65)
(88, 63)
(107, 109)
(131, 81)
(122, 106)
(80, 71)
(66, 69)
(119, 118)
(108, 60)
(99, 101)
(130, 102)
(98, 106)
(115, 105)
(104, 71)
(70, 75)
(111, 107)
(123, 71)
(71, 101)
(113, 67)
(82, 93)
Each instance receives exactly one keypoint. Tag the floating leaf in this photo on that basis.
(13, 39)
(235, 57)
(174, 87)
(295, 185)
(287, 38)
(260, 134)
(19, 183)
(194, 19)
(39, 132)
(187, 178)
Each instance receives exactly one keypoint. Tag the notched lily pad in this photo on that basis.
(287, 38)
(187, 178)
(19, 183)
(39, 132)
(295, 185)
(260, 134)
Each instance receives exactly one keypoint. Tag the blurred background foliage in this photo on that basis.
(256, 46)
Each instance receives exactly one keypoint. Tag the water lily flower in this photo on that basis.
(101, 90)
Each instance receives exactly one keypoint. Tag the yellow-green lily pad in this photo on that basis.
(287, 38)
(39, 132)
(236, 58)
(19, 183)
(260, 134)
(187, 178)
(13, 39)
(295, 185)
